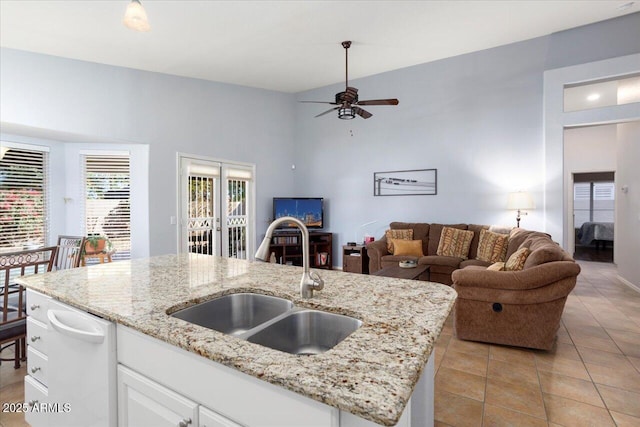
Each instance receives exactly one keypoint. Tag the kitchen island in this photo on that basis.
(371, 374)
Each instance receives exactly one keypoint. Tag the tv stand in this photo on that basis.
(287, 248)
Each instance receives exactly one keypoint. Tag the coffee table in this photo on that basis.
(402, 273)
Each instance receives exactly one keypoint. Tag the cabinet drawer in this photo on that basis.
(37, 335)
(208, 418)
(37, 305)
(37, 365)
(35, 394)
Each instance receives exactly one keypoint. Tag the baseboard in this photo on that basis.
(628, 283)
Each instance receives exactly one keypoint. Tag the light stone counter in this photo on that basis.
(371, 373)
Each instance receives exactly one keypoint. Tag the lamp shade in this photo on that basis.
(520, 200)
(135, 17)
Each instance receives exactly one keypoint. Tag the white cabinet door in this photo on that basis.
(209, 418)
(142, 402)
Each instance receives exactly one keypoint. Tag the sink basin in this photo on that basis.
(236, 313)
(306, 332)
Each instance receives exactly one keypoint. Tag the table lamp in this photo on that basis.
(520, 201)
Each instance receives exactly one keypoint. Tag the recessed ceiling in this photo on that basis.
(288, 46)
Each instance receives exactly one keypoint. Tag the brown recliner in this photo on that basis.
(518, 308)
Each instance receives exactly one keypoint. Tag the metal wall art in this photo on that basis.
(421, 182)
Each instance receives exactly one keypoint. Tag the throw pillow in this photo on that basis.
(496, 266)
(401, 234)
(517, 259)
(454, 242)
(492, 246)
(407, 247)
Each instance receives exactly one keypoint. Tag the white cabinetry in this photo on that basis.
(143, 402)
(36, 391)
(71, 363)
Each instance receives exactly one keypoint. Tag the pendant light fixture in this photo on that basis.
(135, 17)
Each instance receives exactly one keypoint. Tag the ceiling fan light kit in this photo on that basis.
(346, 113)
(347, 102)
(135, 17)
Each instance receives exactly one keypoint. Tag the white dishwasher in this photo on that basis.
(81, 368)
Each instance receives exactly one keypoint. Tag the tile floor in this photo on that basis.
(591, 378)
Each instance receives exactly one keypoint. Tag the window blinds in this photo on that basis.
(107, 201)
(23, 199)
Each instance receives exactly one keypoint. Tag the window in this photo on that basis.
(23, 198)
(593, 202)
(107, 202)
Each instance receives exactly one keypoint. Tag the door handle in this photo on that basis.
(75, 326)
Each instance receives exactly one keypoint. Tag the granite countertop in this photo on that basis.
(371, 373)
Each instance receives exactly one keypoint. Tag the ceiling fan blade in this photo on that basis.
(319, 102)
(362, 113)
(328, 111)
(379, 102)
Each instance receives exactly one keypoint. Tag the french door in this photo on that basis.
(217, 209)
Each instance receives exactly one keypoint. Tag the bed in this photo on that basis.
(595, 232)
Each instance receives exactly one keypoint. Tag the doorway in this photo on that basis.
(594, 216)
(216, 207)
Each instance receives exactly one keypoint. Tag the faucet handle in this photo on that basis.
(318, 283)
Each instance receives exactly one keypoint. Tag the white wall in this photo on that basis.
(477, 118)
(628, 204)
(91, 102)
(587, 149)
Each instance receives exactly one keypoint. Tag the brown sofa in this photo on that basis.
(518, 308)
(441, 267)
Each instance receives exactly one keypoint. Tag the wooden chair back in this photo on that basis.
(13, 296)
(69, 252)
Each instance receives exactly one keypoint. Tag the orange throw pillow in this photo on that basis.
(401, 234)
(407, 247)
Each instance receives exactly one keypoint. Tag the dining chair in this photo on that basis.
(69, 252)
(13, 323)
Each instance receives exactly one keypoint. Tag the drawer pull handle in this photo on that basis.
(34, 306)
(34, 370)
(32, 403)
(184, 422)
(35, 338)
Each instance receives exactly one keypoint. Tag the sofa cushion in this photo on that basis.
(492, 246)
(435, 260)
(517, 259)
(520, 236)
(398, 234)
(475, 262)
(497, 266)
(407, 247)
(454, 242)
(547, 253)
(435, 230)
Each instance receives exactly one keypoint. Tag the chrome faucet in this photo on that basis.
(311, 281)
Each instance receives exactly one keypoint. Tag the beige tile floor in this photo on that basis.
(591, 378)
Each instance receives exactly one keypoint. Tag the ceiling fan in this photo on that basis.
(347, 102)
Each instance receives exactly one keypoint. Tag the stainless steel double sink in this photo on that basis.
(272, 322)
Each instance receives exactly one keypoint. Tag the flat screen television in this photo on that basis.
(309, 210)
